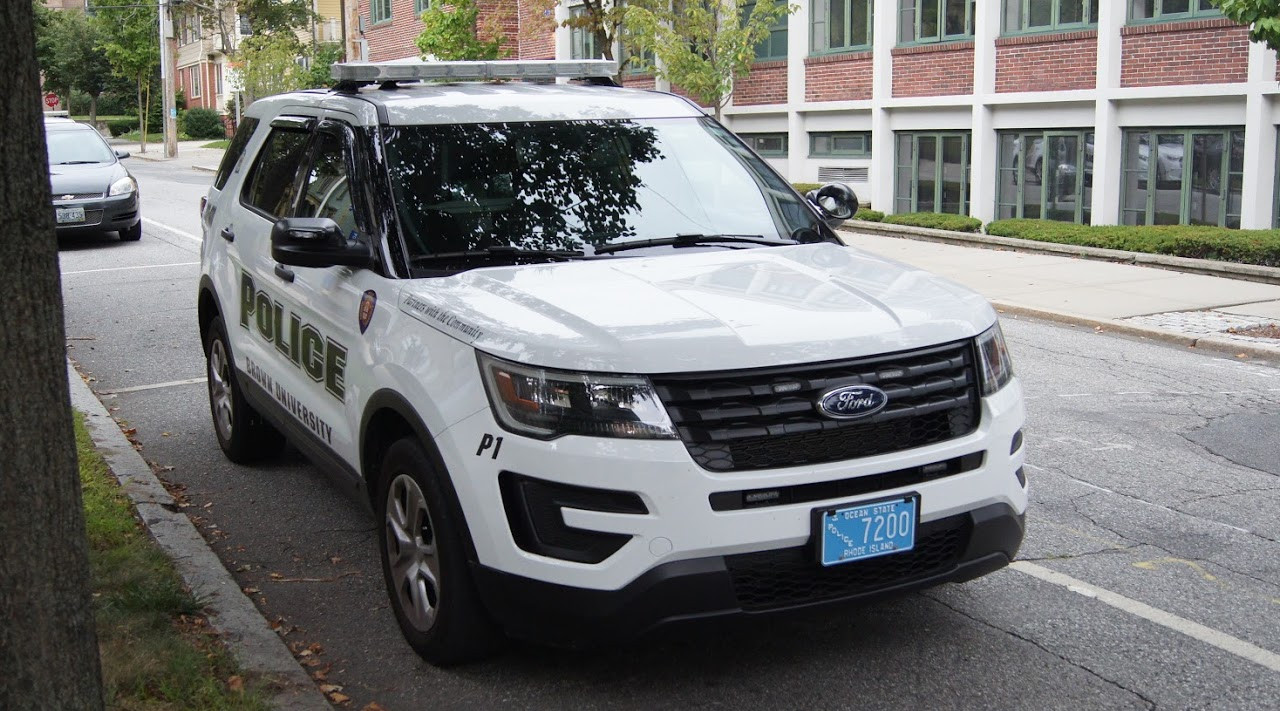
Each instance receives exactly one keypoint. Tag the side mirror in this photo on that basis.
(835, 202)
(315, 242)
(122, 153)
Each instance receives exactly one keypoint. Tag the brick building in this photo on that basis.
(1102, 111)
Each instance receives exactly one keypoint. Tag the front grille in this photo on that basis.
(792, 576)
(78, 196)
(91, 217)
(766, 418)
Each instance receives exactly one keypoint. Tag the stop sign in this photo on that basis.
(51, 99)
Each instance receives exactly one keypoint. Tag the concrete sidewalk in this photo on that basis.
(1157, 303)
(191, 154)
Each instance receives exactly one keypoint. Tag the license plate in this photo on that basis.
(866, 530)
(70, 214)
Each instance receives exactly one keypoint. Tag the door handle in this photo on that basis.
(284, 273)
(228, 234)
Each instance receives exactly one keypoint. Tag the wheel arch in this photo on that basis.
(208, 306)
(388, 416)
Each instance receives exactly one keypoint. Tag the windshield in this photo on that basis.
(77, 147)
(578, 185)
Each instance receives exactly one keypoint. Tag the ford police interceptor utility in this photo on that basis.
(597, 365)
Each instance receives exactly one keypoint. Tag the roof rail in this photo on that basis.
(351, 75)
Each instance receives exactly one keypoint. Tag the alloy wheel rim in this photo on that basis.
(220, 389)
(411, 552)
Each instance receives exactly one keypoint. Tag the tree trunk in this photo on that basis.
(93, 110)
(48, 648)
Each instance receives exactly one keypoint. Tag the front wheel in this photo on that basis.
(242, 433)
(424, 562)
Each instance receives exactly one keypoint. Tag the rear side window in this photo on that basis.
(234, 151)
(270, 187)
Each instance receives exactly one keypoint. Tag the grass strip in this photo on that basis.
(158, 651)
(1260, 247)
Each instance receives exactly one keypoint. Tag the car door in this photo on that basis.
(265, 334)
(334, 305)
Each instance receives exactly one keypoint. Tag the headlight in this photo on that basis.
(997, 368)
(545, 403)
(123, 186)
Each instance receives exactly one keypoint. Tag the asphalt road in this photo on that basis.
(1150, 575)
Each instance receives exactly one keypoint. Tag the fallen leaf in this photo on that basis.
(319, 675)
(316, 647)
(165, 434)
(236, 684)
(337, 698)
(335, 559)
(305, 653)
(372, 706)
(208, 505)
(131, 431)
(1242, 355)
(251, 591)
(276, 576)
(330, 688)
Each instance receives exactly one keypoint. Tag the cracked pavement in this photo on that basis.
(1154, 473)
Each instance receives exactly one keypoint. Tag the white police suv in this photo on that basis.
(598, 366)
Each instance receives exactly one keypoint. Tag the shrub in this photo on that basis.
(1202, 242)
(203, 123)
(121, 126)
(936, 220)
(869, 215)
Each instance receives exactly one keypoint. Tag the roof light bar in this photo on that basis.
(408, 70)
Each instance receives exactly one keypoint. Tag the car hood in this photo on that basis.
(709, 310)
(87, 178)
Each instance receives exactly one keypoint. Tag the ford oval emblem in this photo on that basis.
(852, 401)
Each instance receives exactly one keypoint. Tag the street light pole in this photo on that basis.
(170, 115)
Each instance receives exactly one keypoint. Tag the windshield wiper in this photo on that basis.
(77, 162)
(495, 253)
(692, 241)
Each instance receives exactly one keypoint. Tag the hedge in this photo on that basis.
(1201, 242)
(119, 127)
(936, 220)
(203, 123)
(868, 215)
(803, 188)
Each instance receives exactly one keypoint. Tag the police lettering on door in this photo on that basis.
(322, 359)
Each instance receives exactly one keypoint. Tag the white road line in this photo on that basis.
(1208, 635)
(139, 266)
(175, 230)
(140, 388)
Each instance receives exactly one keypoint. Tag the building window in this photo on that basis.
(379, 11)
(1045, 175)
(841, 25)
(922, 21)
(1030, 16)
(840, 144)
(217, 79)
(775, 45)
(632, 63)
(193, 76)
(582, 41)
(1176, 176)
(931, 172)
(421, 6)
(766, 144)
(243, 25)
(1142, 10)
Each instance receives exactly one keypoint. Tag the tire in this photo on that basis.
(133, 234)
(424, 561)
(243, 434)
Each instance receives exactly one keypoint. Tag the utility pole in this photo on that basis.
(170, 112)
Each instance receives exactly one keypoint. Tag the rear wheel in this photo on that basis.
(242, 433)
(132, 234)
(424, 562)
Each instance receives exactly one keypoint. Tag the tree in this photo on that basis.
(702, 46)
(71, 58)
(222, 19)
(268, 64)
(604, 19)
(48, 646)
(131, 43)
(454, 33)
(1262, 16)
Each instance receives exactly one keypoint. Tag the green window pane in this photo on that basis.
(1039, 13)
(1169, 7)
(927, 184)
(1032, 171)
(1061, 178)
(957, 17)
(1071, 12)
(836, 24)
(928, 20)
(1141, 9)
(859, 23)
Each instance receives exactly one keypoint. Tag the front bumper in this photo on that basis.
(108, 214)
(953, 549)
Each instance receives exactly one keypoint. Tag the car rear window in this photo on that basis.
(234, 151)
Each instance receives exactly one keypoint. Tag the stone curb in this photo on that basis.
(1208, 267)
(256, 647)
(206, 168)
(1225, 346)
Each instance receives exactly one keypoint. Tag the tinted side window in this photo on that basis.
(270, 185)
(234, 151)
(327, 192)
